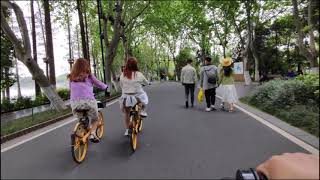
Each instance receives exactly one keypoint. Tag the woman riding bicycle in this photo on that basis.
(131, 82)
(81, 93)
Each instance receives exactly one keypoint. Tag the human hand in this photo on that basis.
(291, 166)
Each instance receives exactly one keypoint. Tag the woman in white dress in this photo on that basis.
(229, 95)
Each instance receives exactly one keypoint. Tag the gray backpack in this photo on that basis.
(212, 77)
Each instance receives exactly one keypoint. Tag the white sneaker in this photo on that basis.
(208, 109)
(126, 133)
(143, 113)
(213, 108)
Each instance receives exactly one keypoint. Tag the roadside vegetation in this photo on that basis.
(294, 101)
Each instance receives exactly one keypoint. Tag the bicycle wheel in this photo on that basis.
(78, 147)
(134, 136)
(134, 140)
(100, 128)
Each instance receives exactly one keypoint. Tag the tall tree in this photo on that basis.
(34, 44)
(309, 52)
(50, 52)
(82, 30)
(23, 53)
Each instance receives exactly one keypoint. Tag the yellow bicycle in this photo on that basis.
(81, 132)
(136, 125)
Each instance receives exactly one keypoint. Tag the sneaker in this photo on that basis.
(143, 113)
(208, 109)
(213, 108)
(126, 133)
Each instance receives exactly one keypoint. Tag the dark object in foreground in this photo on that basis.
(250, 174)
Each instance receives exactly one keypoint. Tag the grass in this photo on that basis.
(298, 116)
(28, 121)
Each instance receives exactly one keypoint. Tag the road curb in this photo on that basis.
(43, 124)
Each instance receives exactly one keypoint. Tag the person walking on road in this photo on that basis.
(227, 81)
(188, 79)
(208, 82)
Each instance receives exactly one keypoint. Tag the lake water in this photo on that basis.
(30, 91)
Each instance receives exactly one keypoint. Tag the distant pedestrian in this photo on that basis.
(188, 79)
(229, 93)
(208, 82)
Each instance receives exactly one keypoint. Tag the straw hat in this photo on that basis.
(226, 61)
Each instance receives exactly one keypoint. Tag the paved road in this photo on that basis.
(176, 143)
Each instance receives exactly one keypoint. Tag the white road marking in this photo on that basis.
(292, 138)
(47, 131)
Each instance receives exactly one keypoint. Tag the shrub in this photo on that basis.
(23, 103)
(283, 94)
(6, 106)
(64, 93)
(40, 100)
(312, 81)
(294, 101)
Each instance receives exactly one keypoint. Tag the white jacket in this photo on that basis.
(134, 85)
(188, 75)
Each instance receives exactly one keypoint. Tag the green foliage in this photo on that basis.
(23, 103)
(64, 93)
(40, 100)
(6, 105)
(294, 101)
(312, 81)
(181, 59)
(7, 77)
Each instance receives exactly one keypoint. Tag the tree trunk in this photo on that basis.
(87, 34)
(6, 71)
(43, 36)
(256, 59)
(247, 49)
(78, 43)
(34, 45)
(18, 81)
(52, 76)
(114, 80)
(314, 62)
(303, 50)
(83, 34)
(3, 95)
(69, 36)
(111, 48)
(23, 53)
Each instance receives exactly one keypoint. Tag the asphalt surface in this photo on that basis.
(175, 143)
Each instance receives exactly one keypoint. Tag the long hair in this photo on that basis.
(227, 71)
(80, 70)
(131, 67)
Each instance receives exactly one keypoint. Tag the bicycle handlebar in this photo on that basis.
(248, 174)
